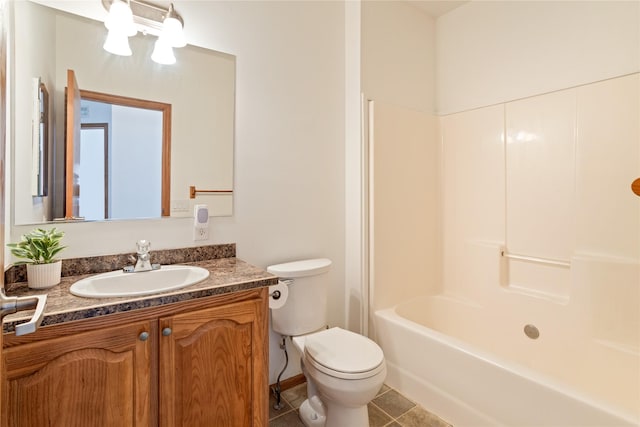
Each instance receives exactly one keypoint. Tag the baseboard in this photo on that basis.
(290, 382)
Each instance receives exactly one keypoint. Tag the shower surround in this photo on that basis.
(540, 230)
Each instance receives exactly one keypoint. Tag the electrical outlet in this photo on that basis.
(179, 206)
(200, 222)
(200, 233)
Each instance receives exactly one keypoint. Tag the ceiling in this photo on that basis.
(437, 8)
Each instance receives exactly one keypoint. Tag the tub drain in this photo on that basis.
(531, 331)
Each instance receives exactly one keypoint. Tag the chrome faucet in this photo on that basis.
(143, 262)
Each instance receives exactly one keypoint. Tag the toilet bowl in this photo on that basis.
(344, 373)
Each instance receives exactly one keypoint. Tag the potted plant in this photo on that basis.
(38, 249)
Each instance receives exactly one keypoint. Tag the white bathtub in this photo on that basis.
(474, 368)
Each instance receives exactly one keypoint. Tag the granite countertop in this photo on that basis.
(227, 275)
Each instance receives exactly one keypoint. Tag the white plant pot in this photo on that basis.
(41, 276)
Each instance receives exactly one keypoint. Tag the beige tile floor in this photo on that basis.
(388, 409)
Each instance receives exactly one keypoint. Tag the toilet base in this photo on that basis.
(309, 416)
(339, 417)
(352, 417)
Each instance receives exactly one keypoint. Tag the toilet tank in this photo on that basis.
(305, 309)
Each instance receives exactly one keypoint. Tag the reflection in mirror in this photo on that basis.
(40, 135)
(123, 170)
(138, 151)
(92, 171)
(200, 88)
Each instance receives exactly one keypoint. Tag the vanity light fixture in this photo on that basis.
(120, 24)
(171, 36)
(126, 17)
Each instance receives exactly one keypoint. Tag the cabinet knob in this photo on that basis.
(144, 336)
(166, 332)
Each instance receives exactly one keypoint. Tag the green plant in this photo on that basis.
(39, 246)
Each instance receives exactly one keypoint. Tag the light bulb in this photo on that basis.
(120, 18)
(163, 52)
(117, 43)
(172, 32)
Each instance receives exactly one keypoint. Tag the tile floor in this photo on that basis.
(388, 409)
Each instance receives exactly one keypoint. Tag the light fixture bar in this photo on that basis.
(148, 16)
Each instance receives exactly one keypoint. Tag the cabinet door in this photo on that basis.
(213, 367)
(98, 378)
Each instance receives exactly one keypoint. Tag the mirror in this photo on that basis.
(200, 88)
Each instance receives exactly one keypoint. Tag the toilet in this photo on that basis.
(344, 370)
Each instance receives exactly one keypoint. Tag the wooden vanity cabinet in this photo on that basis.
(102, 377)
(207, 362)
(197, 363)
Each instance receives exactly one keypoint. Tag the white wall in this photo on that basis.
(490, 52)
(289, 194)
(355, 275)
(398, 60)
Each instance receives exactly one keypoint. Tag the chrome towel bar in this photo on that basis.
(537, 260)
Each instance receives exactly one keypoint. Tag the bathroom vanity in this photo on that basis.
(192, 357)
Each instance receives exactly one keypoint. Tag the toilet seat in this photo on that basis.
(343, 354)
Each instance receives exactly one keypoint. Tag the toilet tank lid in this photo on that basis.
(307, 267)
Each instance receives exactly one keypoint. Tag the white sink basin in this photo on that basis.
(120, 284)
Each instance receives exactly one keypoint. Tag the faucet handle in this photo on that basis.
(40, 302)
(143, 246)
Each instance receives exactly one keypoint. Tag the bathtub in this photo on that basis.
(473, 368)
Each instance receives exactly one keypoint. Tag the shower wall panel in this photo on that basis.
(404, 204)
(540, 170)
(608, 160)
(557, 191)
(472, 191)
